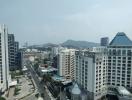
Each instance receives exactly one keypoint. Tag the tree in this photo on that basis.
(37, 95)
(58, 84)
(37, 60)
(2, 98)
(42, 95)
(36, 65)
(47, 78)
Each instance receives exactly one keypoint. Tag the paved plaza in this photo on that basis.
(26, 88)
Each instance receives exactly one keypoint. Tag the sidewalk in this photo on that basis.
(25, 86)
(11, 94)
(32, 96)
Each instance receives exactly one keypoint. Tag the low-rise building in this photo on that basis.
(46, 70)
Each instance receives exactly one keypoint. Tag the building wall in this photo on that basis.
(106, 67)
(11, 50)
(17, 59)
(91, 71)
(4, 63)
(120, 66)
(66, 63)
(104, 41)
(85, 72)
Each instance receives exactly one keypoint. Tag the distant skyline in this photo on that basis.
(55, 21)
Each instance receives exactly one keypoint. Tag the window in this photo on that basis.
(118, 84)
(128, 78)
(128, 52)
(123, 52)
(128, 68)
(119, 57)
(129, 58)
(110, 52)
(118, 52)
(123, 75)
(114, 52)
(86, 62)
(129, 65)
(129, 62)
(123, 79)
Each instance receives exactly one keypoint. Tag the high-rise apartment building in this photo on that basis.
(54, 54)
(66, 63)
(105, 70)
(13, 47)
(4, 61)
(11, 50)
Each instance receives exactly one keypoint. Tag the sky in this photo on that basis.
(55, 21)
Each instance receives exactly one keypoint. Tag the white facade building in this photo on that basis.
(4, 61)
(66, 63)
(91, 71)
(57, 50)
(120, 61)
(102, 70)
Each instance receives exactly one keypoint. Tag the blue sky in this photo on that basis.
(42, 21)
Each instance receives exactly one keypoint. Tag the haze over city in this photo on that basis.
(55, 21)
(66, 50)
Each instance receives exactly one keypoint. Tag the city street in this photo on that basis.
(40, 87)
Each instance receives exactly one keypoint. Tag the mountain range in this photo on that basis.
(79, 44)
(69, 44)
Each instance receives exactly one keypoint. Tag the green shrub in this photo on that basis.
(37, 95)
(16, 91)
(2, 98)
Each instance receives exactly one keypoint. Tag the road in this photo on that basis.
(40, 86)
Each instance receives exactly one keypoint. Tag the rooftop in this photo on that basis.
(121, 40)
(75, 89)
(48, 69)
(123, 91)
(61, 79)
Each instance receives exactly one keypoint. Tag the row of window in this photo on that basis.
(119, 57)
(118, 84)
(120, 52)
